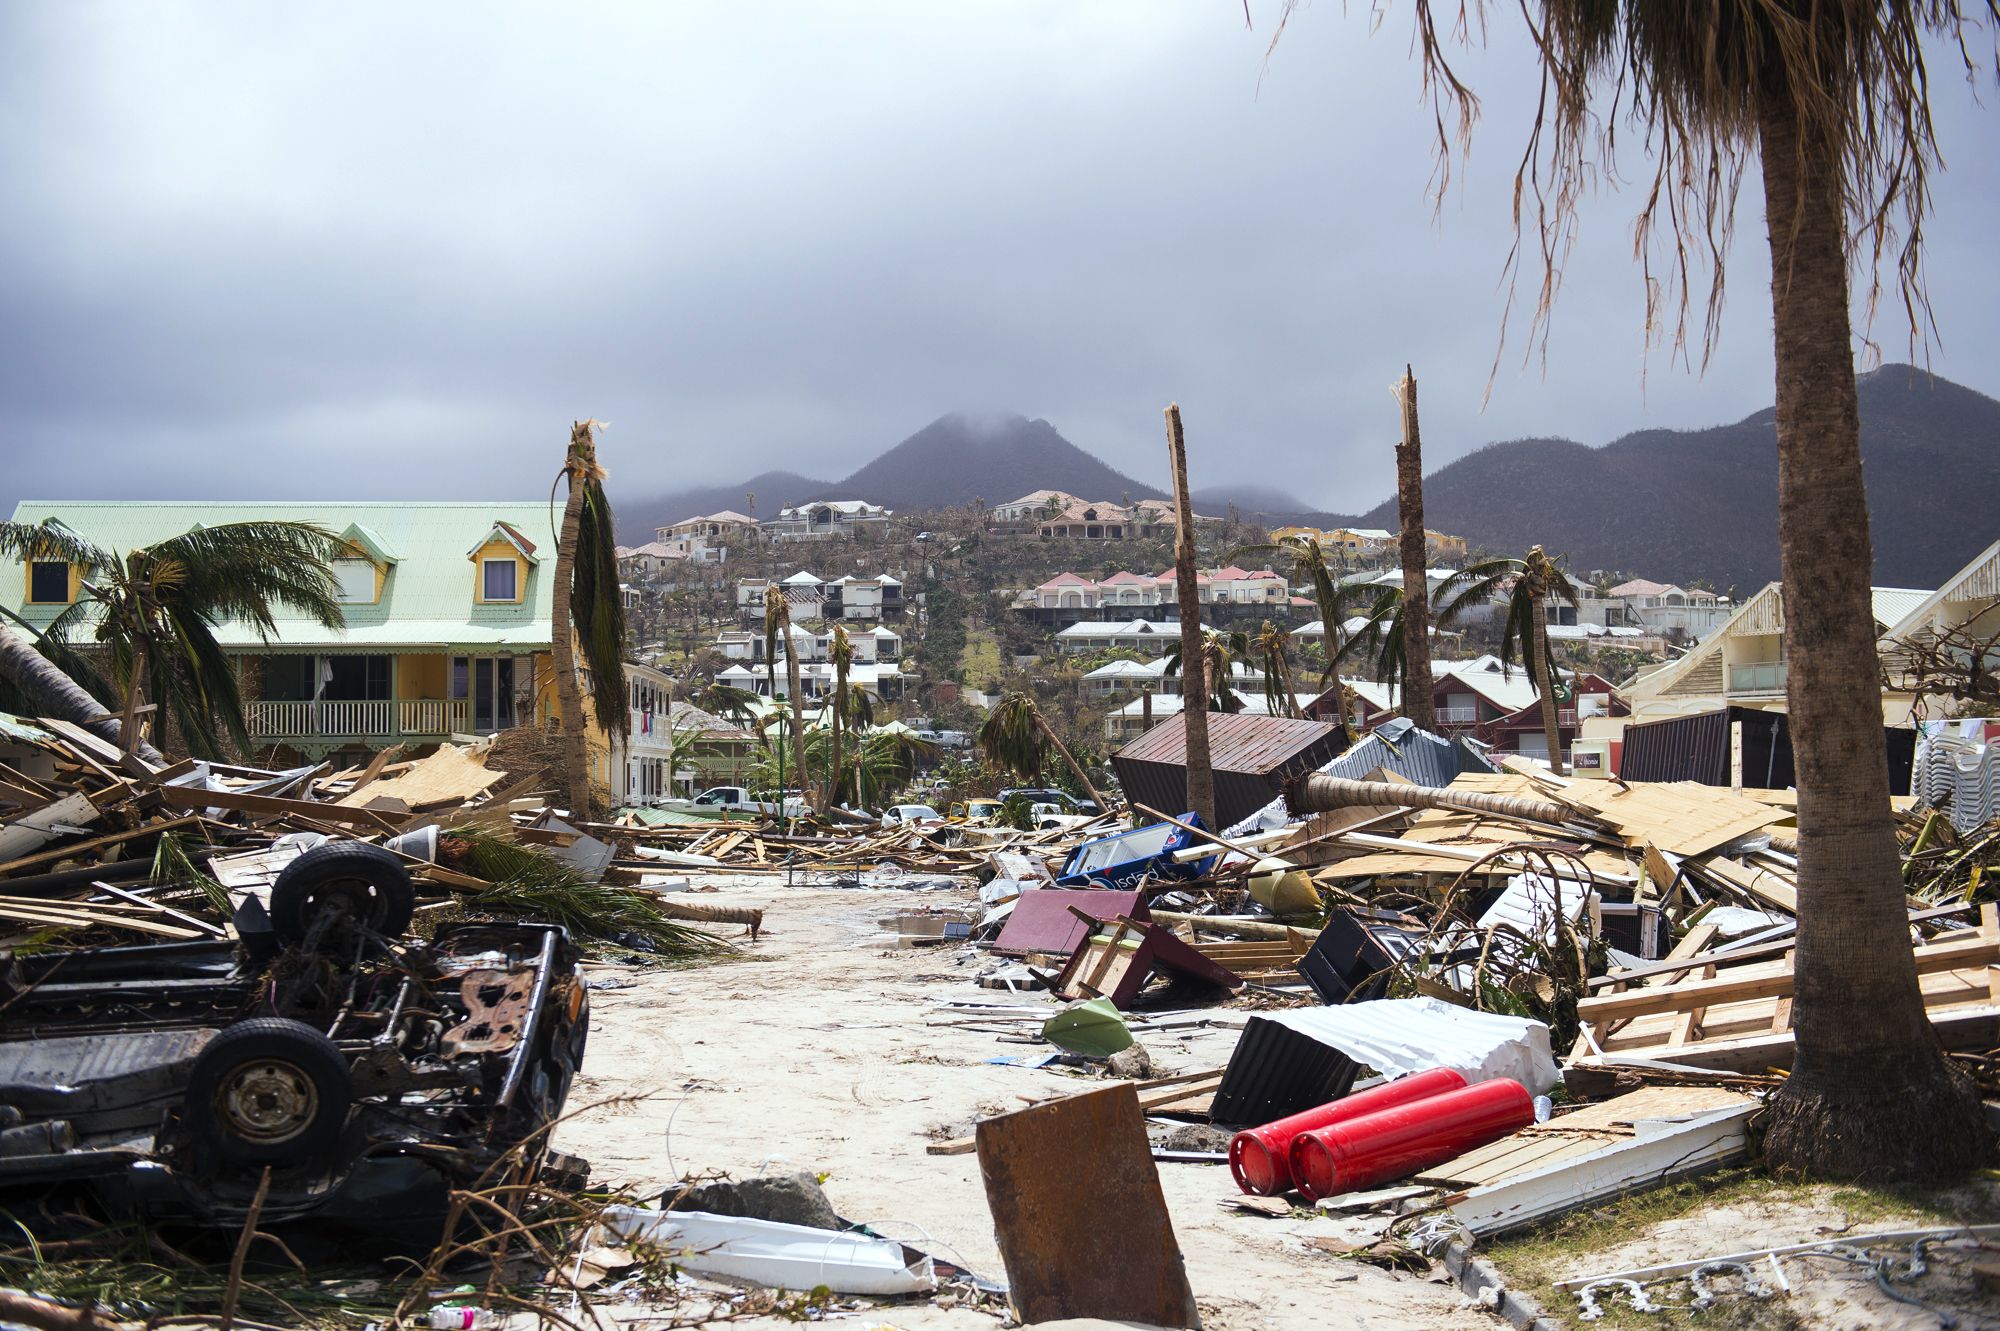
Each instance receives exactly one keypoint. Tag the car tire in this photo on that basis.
(268, 1091)
(366, 884)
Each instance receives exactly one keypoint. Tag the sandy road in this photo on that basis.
(816, 1055)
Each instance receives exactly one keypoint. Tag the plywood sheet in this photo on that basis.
(1680, 817)
(449, 776)
(1079, 1214)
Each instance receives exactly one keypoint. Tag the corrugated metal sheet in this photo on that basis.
(1277, 1071)
(1251, 756)
(1400, 747)
(1696, 748)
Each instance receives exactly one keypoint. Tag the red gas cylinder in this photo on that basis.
(1260, 1158)
(1378, 1148)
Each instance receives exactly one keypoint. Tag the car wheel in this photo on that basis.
(340, 887)
(268, 1091)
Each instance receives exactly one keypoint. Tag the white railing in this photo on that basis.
(351, 719)
(1457, 716)
(432, 716)
(1765, 677)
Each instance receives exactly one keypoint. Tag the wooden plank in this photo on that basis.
(189, 797)
(1975, 952)
(75, 849)
(1053, 1173)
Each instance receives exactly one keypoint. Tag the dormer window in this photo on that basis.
(361, 569)
(48, 582)
(499, 579)
(501, 562)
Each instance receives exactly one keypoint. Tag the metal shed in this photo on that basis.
(1696, 748)
(1252, 757)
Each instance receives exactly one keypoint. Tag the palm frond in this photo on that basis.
(246, 570)
(597, 607)
(49, 539)
(528, 884)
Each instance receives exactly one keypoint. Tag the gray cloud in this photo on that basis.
(374, 249)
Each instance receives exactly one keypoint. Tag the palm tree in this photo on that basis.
(728, 702)
(777, 627)
(1273, 642)
(1832, 97)
(1529, 581)
(156, 609)
(588, 612)
(1013, 735)
(840, 651)
(1329, 593)
(1418, 703)
(1194, 720)
(1219, 654)
(1380, 638)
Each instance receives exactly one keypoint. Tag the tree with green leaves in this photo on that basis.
(588, 613)
(1530, 582)
(153, 612)
(1830, 100)
(1013, 736)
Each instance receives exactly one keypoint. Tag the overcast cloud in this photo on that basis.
(391, 250)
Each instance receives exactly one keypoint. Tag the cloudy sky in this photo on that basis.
(391, 250)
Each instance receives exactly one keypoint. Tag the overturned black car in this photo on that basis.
(368, 1071)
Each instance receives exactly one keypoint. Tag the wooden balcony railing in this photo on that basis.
(326, 719)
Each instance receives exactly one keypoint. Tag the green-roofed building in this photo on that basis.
(447, 637)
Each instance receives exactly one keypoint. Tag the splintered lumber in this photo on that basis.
(448, 777)
(195, 797)
(1238, 925)
(1315, 793)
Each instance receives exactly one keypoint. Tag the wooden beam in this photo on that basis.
(273, 806)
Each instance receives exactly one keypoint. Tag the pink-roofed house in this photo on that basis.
(1127, 588)
(1068, 591)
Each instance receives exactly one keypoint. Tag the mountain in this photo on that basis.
(955, 459)
(1691, 504)
(1676, 505)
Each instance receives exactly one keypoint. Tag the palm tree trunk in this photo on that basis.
(798, 699)
(1194, 651)
(839, 706)
(1870, 1094)
(57, 695)
(135, 692)
(1076, 770)
(1538, 620)
(1418, 705)
(575, 742)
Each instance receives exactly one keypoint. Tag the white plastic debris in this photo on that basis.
(775, 1255)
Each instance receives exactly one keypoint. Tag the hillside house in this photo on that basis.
(808, 597)
(448, 617)
(825, 519)
(1033, 508)
(1679, 614)
(1137, 635)
(1145, 519)
(705, 538)
(1128, 679)
(653, 560)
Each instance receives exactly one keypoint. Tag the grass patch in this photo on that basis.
(979, 661)
(1535, 1259)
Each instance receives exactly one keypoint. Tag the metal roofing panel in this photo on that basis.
(1237, 742)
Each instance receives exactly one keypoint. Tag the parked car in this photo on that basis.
(1046, 816)
(737, 799)
(367, 1071)
(903, 815)
(974, 811)
(1050, 795)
